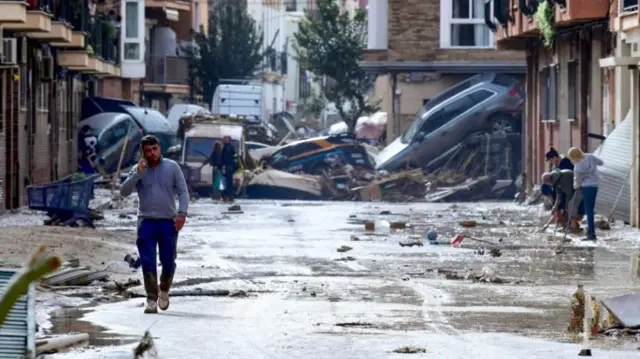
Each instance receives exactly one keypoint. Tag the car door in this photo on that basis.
(471, 121)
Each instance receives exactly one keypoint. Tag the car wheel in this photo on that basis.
(503, 124)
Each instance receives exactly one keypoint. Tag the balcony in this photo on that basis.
(99, 56)
(629, 18)
(177, 5)
(61, 27)
(520, 24)
(275, 66)
(572, 12)
(38, 19)
(168, 74)
(13, 12)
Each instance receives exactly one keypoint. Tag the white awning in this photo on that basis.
(619, 61)
(172, 15)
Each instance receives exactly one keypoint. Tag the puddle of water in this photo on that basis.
(69, 320)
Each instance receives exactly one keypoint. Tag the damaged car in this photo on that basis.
(314, 155)
(483, 104)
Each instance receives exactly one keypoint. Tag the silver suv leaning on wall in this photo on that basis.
(487, 103)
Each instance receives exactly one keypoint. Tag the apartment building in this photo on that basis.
(164, 31)
(420, 50)
(54, 54)
(567, 93)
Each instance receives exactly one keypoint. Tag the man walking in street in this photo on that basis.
(157, 180)
(229, 162)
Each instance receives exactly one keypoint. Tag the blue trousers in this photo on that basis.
(589, 195)
(156, 234)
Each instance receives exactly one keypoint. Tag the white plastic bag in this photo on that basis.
(222, 185)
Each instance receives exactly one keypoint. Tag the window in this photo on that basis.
(463, 25)
(291, 5)
(480, 96)
(548, 93)
(629, 5)
(198, 149)
(447, 113)
(197, 21)
(572, 89)
(132, 31)
(120, 130)
(107, 139)
(305, 147)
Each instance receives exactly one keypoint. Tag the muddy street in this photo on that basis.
(313, 283)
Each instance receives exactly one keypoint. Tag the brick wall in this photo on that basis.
(110, 87)
(414, 34)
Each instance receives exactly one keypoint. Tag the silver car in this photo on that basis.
(487, 103)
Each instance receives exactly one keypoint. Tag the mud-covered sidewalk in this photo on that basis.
(318, 285)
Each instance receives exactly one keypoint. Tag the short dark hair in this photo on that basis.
(149, 140)
(552, 153)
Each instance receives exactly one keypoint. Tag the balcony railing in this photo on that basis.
(629, 5)
(103, 39)
(167, 70)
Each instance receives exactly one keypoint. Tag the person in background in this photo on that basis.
(229, 164)
(555, 163)
(586, 180)
(215, 161)
(568, 204)
(157, 180)
(89, 150)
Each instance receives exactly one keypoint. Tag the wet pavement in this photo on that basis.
(306, 299)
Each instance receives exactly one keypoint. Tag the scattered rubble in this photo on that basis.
(411, 243)
(409, 350)
(345, 259)
(343, 249)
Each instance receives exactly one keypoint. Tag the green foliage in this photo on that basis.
(40, 265)
(231, 48)
(545, 17)
(330, 43)
(312, 105)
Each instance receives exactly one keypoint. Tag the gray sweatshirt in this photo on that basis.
(586, 172)
(157, 188)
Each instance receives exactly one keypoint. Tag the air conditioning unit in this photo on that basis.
(47, 69)
(9, 51)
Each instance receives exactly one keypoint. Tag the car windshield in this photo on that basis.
(421, 117)
(198, 149)
(151, 120)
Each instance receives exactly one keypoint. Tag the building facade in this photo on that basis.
(622, 65)
(569, 98)
(420, 50)
(54, 54)
(166, 30)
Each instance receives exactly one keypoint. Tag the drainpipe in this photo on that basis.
(394, 110)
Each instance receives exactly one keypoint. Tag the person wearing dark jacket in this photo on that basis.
(215, 161)
(568, 203)
(229, 165)
(555, 163)
(558, 162)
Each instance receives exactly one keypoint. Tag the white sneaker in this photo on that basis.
(152, 307)
(163, 300)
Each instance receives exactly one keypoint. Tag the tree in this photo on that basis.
(330, 43)
(231, 48)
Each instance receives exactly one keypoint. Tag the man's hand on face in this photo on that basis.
(142, 165)
(180, 219)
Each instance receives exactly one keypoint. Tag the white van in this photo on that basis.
(198, 145)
